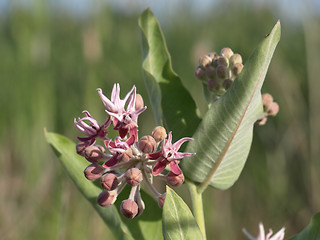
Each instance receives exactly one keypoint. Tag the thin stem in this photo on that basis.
(151, 187)
(197, 207)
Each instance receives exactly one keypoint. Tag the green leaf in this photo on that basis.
(177, 219)
(311, 232)
(223, 139)
(171, 102)
(139, 228)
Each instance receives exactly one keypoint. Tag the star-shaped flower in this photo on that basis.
(117, 149)
(261, 236)
(169, 155)
(124, 120)
(93, 129)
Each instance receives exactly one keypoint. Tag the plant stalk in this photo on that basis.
(197, 207)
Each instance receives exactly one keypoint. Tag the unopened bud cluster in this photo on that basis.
(270, 108)
(219, 71)
(128, 160)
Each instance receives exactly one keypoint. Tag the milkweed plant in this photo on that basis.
(125, 174)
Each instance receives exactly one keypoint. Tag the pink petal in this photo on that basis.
(133, 132)
(180, 155)
(154, 156)
(111, 162)
(159, 167)
(123, 132)
(131, 140)
(178, 143)
(175, 168)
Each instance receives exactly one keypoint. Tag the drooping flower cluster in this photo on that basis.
(126, 159)
(270, 108)
(261, 235)
(219, 71)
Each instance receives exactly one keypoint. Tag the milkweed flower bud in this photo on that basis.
(133, 176)
(129, 208)
(159, 133)
(109, 181)
(205, 61)
(273, 109)
(227, 52)
(126, 156)
(147, 144)
(262, 121)
(139, 102)
(200, 73)
(210, 72)
(221, 71)
(235, 58)
(222, 60)
(93, 153)
(161, 200)
(81, 146)
(237, 68)
(213, 85)
(212, 55)
(227, 83)
(93, 171)
(106, 198)
(267, 99)
(175, 180)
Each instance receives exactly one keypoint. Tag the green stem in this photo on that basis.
(197, 207)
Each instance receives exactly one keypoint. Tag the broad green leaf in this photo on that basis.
(171, 102)
(177, 219)
(311, 232)
(223, 139)
(138, 228)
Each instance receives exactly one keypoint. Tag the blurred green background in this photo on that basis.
(53, 56)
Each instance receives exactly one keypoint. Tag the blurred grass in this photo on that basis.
(52, 62)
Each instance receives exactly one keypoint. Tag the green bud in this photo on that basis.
(133, 176)
(147, 144)
(212, 55)
(237, 68)
(139, 102)
(129, 208)
(213, 85)
(235, 58)
(205, 61)
(261, 121)
(267, 99)
(200, 73)
(273, 109)
(210, 72)
(227, 83)
(159, 133)
(109, 181)
(222, 60)
(221, 71)
(227, 52)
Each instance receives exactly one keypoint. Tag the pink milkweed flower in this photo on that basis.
(124, 120)
(261, 236)
(93, 129)
(117, 149)
(169, 155)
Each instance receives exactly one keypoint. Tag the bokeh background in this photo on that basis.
(53, 56)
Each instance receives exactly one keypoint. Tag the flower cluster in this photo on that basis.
(270, 108)
(126, 159)
(261, 235)
(219, 71)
